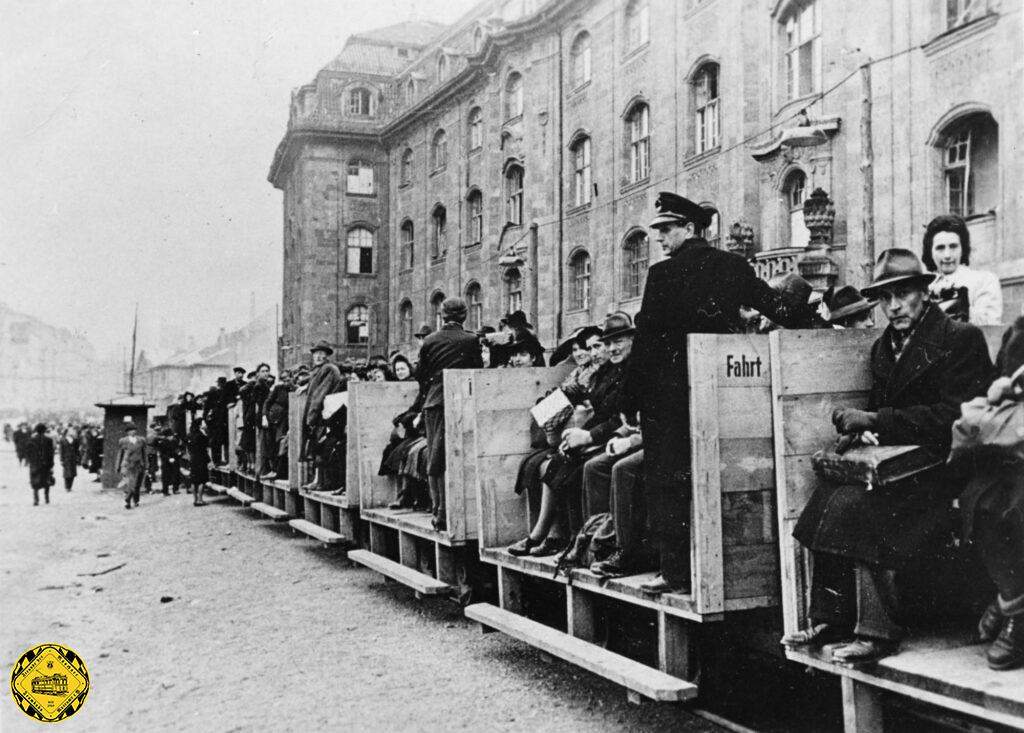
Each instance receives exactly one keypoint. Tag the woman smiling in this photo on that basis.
(964, 294)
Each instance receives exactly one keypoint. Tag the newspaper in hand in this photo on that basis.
(334, 402)
(550, 406)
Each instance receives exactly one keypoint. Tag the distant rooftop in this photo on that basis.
(375, 52)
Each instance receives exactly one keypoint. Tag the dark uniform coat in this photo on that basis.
(39, 456)
(199, 457)
(917, 398)
(698, 290)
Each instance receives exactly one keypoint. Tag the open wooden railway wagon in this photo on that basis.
(402, 543)
(938, 669)
(760, 406)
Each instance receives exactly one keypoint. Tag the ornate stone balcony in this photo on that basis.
(774, 262)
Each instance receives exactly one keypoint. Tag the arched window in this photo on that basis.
(360, 103)
(478, 40)
(439, 150)
(514, 195)
(579, 273)
(639, 124)
(405, 321)
(793, 194)
(801, 38)
(713, 231)
(476, 128)
(410, 91)
(970, 171)
(582, 186)
(513, 290)
(438, 232)
(357, 325)
(513, 95)
(705, 105)
(442, 68)
(636, 258)
(475, 212)
(638, 24)
(359, 248)
(475, 304)
(360, 177)
(580, 60)
(407, 243)
(436, 301)
(405, 174)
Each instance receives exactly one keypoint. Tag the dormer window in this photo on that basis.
(360, 103)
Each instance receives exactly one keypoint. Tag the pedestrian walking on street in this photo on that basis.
(199, 457)
(170, 461)
(39, 456)
(21, 437)
(69, 457)
(132, 460)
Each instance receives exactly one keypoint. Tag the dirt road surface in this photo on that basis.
(264, 632)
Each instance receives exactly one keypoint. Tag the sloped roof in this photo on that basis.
(412, 32)
(370, 52)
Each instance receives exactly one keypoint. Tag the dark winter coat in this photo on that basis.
(199, 457)
(275, 408)
(452, 347)
(69, 457)
(917, 398)
(323, 380)
(39, 456)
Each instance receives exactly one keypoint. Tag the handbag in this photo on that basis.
(875, 465)
(987, 430)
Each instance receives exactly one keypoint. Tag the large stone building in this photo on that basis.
(513, 157)
(48, 370)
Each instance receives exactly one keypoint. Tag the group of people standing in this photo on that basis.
(74, 445)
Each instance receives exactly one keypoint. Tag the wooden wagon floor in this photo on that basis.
(326, 497)
(627, 588)
(941, 662)
(407, 520)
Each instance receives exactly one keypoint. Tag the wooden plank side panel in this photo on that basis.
(746, 464)
(501, 440)
(821, 360)
(372, 406)
(751, 571)
(460, 458)
(706, 511)
(807, 418)
(296, 475)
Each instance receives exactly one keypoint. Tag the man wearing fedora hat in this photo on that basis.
(452, 347)
(697, 289)
(324, 379)
(922, 367)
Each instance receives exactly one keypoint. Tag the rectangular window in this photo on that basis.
(360, 178)
(639, 146)
(514, 202)
(959, 188)
(476, 219)
(803, 51)
(581, 160)
(961, 12)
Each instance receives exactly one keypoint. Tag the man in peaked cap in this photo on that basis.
(450, 348)
(324, 379)
(697, 289)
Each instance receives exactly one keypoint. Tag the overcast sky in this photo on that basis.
(136, 137)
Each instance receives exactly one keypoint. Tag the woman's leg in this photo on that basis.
(546, 515)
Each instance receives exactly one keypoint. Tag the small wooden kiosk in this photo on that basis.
(115, 412)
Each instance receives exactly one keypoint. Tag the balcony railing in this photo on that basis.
(774, 262)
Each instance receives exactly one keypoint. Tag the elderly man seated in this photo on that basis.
(922, 367)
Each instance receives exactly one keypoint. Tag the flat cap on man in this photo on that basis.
(454, 309)
(671, 208)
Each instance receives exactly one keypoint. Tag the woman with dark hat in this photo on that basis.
(963, 293)
(847, 308)
(516, 329)
(560, 509)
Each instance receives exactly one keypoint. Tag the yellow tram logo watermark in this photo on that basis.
(50, 682)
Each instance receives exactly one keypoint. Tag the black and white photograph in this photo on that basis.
(512, 365)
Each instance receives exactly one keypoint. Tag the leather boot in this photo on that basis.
(1007, 651)
(991, 623)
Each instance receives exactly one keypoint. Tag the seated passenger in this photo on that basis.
(562, 477)
(993, 511)
(847, 308)
(922, 367)
(613, 482)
